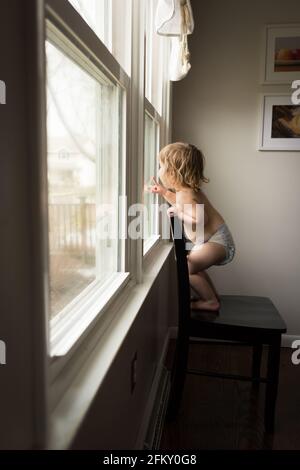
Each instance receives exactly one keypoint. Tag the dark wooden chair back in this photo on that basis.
(183, 284)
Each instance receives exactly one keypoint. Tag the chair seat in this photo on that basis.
(242, 311)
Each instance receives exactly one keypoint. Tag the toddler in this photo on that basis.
(181, 169)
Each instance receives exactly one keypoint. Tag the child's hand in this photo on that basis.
(157, 188)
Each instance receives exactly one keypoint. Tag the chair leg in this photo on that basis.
(272, 383)
(178, 376)
(256, 362)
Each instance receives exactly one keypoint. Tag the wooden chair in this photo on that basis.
(242, 319)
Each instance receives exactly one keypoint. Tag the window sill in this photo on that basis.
(150, 243)
(68, 329)
(97, 355)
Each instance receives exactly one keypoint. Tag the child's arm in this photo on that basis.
(169, 196)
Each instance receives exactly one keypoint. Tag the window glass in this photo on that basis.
(154, 51)
(150, 170)
(121, 32)
(83, 125)
(111, 21)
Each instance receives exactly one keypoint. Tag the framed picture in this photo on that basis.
(282, 53)
(280, 123)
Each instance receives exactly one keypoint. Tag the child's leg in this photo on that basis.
(206, 276)
(211, 285)
(206, 255)
(208, 299)
(199, 260)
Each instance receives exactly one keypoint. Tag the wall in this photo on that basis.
(18, 379)
(218, 108)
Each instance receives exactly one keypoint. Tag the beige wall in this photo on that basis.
(217, 107)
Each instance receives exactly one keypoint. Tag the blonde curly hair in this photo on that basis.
(184, 165)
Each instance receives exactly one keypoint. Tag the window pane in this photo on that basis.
(121, 33)
(83, 119)
(150, 169)
(111, 21)
(154, 50)
(93, 12)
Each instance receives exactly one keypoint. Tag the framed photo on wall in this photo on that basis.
(282, 53)
(280, 123)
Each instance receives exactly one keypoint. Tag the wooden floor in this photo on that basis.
(228, 414)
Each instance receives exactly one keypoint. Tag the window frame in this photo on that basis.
(155, 116)
(70, 318)
(164, 131)
(63, 16)
(62, 21)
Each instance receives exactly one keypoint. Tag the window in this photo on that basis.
(96, 13)
(155, 89)
(151, 229)
(83, 155)
(93, 157)
(111, 21)
(154, 55)
(86, 138)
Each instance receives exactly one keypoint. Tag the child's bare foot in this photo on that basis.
(205, 305)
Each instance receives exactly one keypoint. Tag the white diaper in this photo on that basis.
(224, 237)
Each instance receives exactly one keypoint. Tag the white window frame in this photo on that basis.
(80, 317)
(68, 325)
(69, 353)
(153, 114)
(164, 131)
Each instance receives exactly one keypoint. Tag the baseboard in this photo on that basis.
(152, 440)
(153, 396)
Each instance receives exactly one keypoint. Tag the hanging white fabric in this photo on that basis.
(180, 59)
(170, 14)
(175, 18)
